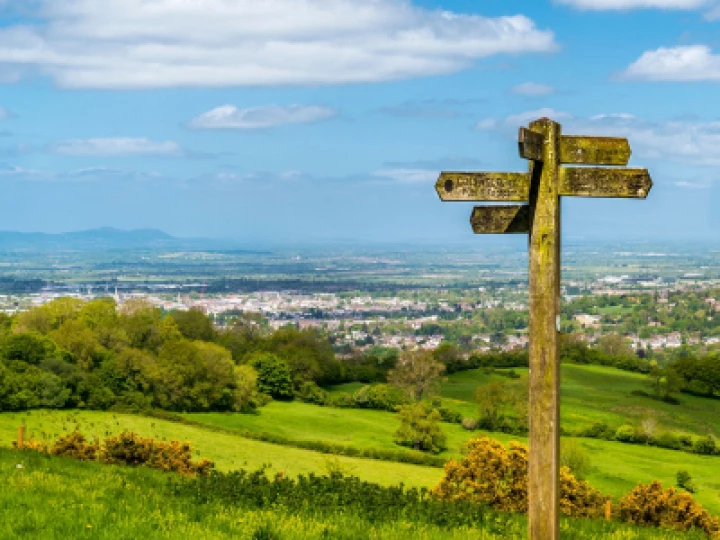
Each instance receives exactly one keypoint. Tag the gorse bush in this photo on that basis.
(493, 475)
(126, 449)
(650, 504)
(74, 445)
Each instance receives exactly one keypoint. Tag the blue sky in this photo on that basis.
(289, 120)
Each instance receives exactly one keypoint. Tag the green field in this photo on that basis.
(595, 394)
(58, 498)
(229, 452)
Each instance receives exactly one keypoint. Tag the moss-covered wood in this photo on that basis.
(530, 144)
(500, 219)
(482, 186)
(544, 262)
(594, 150)
(602, 182)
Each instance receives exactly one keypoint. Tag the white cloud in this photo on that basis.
(693, 185)
(486, 124)
(602, 5)
(409, 176)
(230, 117)
(689, 63)
(121, 146)
(120, 44)
(532, 89)
(713, 14)
(692, 142)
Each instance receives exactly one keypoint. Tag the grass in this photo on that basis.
(600, 394)
(229, 452)
(617, 467)
(360, 428)
(590, 393)
(57, 498)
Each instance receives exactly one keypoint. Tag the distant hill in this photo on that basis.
(107, 238)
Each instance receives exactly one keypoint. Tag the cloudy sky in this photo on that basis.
(330, 119)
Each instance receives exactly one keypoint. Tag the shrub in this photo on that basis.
(309, 392)
(420, 428)
(574, 457)
(599, 430)
(471, 424)
(130, 449)
(668, 440)
(684, 481)
(75, 446)
(498, 477)
(127, 449)
(384, 397)
(706, 446)
(649, 504)
(625, 433)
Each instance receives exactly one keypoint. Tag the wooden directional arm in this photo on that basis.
(499, 219)
(578, 150)
(601, 182)
(581, 150)
(490, 186)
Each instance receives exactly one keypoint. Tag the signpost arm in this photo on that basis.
(544, 271)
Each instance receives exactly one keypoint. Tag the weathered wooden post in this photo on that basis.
(543, 144)
(21, 437)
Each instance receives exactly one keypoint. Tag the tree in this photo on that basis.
(194, 324)
(662, 381)
(245, 387)
(449, 356)
(418, 373)
(497, 398)
(273, 375)
(614, 345)
(420, 428)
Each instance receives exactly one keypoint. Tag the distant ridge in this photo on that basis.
(109, 238)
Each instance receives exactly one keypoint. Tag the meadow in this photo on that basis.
(593, 394)
(59, 498)
(590, 394)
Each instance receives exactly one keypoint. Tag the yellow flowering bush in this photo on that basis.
(493, 475)
(128, 449)
(650, 504)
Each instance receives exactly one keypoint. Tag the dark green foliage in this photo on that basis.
(325, 493)
(698, 375)
(684, 481)
(384, 397)
(274, 377)
(69, 353)
(194, 324)
(707, 446)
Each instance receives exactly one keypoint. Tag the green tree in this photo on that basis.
(245, 387)
(420, 428)
(194, 324)
(418, 373)
(273, 375)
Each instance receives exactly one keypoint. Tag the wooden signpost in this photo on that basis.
(543, 144)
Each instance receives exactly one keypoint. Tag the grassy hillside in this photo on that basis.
(227, 451)
(57, 498)
(595, 394)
